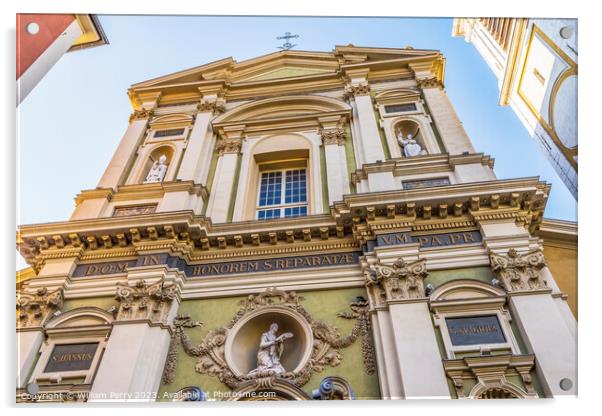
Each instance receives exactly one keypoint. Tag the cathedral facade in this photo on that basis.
(299, 226)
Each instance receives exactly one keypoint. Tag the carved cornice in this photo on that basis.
(399, 282)
(141, 114)
(34, 307)
(519, 272)
(145, 301)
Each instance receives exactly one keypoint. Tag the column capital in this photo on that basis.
(211, 104)
(429, 82)
(519, 273)
(35, 306)
(400, 282)
(230, 139)
(141, 114)
(358, 89)
(334, 136)
(144, 301)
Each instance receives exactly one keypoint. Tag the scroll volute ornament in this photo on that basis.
(519, 272)
(400, 281)
(141, 114)
(34, 307)
(145, 301)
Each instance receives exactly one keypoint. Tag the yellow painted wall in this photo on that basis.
(563, 265)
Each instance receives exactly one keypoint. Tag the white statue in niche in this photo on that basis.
(157, 172)
(409, 145)
(271, 348)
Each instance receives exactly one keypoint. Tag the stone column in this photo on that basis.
(135, 355)
(228, 147)
(370, 144)
(448, 124)
(540, 322)
(333, 140)
(197, 158)
(34, 307)
(116, 171)
(412, 345)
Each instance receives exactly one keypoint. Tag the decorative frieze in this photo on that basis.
(400, 281)
(34, 307)
(145, 301)
(141, 114)
(519, 272)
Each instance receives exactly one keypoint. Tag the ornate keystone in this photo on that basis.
(144, 301)
(518, 272)
(34, 307)
(400, 281)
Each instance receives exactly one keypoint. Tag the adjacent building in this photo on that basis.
(299, 226)
(535, 62)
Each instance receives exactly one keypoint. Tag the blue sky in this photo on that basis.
(71, 123)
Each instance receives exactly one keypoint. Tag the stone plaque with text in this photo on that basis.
(475, 330)
(71, 357)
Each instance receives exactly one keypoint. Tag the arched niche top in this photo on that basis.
(277, 107)
(81, 317)
(397, 94)
(171, 121)
(465, 289)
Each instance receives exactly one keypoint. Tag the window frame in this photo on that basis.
(282, 205)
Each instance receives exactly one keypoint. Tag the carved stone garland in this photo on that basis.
(518, 272)
(144, 301)
(325, 351)
(400, 281)
(33, 307)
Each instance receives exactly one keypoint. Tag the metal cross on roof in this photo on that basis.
(287, 45)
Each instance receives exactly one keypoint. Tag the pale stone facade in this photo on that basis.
(535, 62)
(419, 241)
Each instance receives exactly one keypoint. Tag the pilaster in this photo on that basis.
(135, 355)
(228, 147)
(539, 319)
(333, 139)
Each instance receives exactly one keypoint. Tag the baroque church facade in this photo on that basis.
(299, 226)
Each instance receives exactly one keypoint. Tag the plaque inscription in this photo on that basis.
(475, 330)
(71, 357)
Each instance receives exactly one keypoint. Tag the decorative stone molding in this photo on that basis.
(325, 342)
(400, 281)
(225, 145)
(34, 307)
(487, 377)
(145, 301)
(432, 82)
(141, 114)
(360, 310)
(519, 272)
(333, 136)
(358, 89)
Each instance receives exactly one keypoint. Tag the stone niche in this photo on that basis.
(244, 338)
